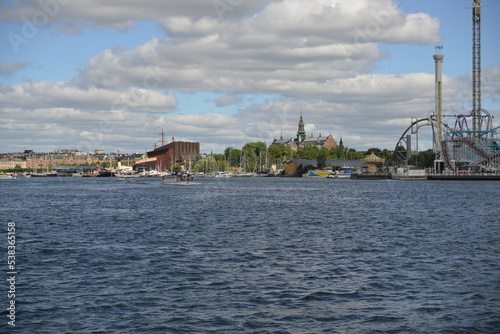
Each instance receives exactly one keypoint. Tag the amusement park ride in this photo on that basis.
(460, 140)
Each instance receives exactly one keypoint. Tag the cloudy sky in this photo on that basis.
(112, 74)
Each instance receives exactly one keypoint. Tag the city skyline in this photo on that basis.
(225, 73)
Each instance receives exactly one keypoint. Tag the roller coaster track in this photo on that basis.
(486, 154)
(491, 159)
(474, 146)
(446, 156)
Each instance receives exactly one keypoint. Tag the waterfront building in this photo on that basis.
(177, 152)
(321, 141)
(11, 163)
(301, 140)
(34, 160)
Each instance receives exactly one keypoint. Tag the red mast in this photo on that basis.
(162, 137)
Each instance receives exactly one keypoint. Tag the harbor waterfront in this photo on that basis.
(253, 255)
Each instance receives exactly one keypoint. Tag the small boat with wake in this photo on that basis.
(182, 177)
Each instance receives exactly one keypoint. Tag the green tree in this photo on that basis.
(337, 153)
(424, 159)
(304, 169)
(374, 150)
(256, 148)
(278, 153)
(321, 159)
(206, 165)
(352, 154)
(308, 152)
(233, 155)
(251, 154)
(388, 156)
(176, 167)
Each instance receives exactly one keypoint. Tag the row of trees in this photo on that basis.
(253, 157)
(257, 156)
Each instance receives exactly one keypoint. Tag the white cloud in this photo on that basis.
(74, 15)
(7, 69)
(316, 56)
(287, 43)
(227, 100)
(38, 94)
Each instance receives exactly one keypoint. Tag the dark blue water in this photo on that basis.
(255, 255)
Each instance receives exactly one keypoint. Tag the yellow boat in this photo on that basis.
(317, 174)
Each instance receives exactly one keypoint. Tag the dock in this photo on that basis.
(464, 177)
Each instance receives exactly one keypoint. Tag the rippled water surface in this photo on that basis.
(256, 255)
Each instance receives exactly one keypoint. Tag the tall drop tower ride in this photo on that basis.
(476, 68)
(462, 140)
(438, 60)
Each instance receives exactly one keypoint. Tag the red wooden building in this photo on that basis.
(176, 152)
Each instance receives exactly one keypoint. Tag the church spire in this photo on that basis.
(301, 133)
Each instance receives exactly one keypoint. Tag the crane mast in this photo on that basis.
(476, 68)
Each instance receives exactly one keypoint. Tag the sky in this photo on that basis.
(114, 74)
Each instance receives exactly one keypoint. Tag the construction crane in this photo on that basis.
(476, 68)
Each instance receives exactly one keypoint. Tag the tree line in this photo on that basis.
(257, 156)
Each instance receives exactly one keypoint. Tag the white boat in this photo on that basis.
(6, 177)
(345, 173)
(242, 174)
(223, 174)
(339, 175)
(183, 177)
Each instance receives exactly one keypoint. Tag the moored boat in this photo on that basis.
(106, 173)
(344, 174)
(317, 174)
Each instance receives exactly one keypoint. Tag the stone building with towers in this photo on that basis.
(301, 139)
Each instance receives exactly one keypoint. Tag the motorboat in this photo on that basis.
(223, 174)
(182, 177)
(317, 174)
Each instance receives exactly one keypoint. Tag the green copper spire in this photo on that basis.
(301, 133)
